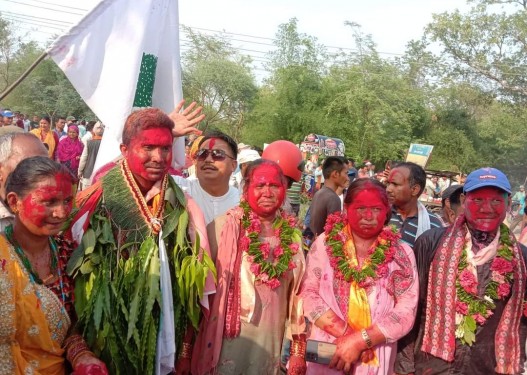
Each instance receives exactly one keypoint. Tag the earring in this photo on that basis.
(15, 210)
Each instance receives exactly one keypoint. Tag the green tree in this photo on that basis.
(220, 79)
(291, 104)
(485, 46)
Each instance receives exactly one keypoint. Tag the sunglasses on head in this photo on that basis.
(217, 155)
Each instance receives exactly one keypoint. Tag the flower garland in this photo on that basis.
(380, 255)
(471, 309)
(269, 272)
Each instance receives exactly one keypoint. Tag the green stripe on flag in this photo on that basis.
(145, 82)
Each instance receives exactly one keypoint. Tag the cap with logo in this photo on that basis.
(487, 177)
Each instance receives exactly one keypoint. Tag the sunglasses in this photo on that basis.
(217, 155)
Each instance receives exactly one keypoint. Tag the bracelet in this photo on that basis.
(366, 338)
(75, 347)
(186, 351)
(298, 349)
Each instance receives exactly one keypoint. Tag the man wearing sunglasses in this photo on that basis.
(215, 162)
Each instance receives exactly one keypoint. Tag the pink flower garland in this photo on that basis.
(381, 254)
(269, 272)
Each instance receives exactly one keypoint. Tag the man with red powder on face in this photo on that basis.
(136, 226)
(472, 286)
(260, 263)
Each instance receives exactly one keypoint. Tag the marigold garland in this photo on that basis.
(269, 272)
(473, 309)
(380, 254)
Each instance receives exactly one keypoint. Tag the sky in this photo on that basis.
(253, 24)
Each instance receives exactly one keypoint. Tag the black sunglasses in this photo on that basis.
(217, 155)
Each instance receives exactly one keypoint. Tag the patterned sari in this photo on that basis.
(33, 323)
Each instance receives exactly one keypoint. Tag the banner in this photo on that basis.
(419, 154)
(121, 55)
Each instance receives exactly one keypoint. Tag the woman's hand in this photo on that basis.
(297, 365)
(349, 349)
(88, 364)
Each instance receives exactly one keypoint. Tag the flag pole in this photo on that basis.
(11, 87)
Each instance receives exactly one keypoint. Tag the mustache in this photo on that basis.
(208, 166)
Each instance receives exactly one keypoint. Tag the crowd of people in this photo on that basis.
(146, 267)
(75, 144)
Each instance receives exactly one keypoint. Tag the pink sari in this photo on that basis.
(392, 304)
(69, 152)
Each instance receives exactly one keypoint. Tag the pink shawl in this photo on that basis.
(68, 151)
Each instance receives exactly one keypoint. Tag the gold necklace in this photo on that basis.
(154, 220)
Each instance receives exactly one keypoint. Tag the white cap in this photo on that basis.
(246, 156)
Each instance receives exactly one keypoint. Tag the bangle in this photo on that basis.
(75, 347)
(186, 351)
(366, 338)
(298, 349)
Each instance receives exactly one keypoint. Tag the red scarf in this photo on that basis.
(439, 333)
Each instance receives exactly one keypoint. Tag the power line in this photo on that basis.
(34, 23)
(40, 7)
(58, 5)
(35, 18)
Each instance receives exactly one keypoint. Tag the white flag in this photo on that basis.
(121, 55)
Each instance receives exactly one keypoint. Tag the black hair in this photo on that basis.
(417, 174)
(90, 125)
(331, 164)
(47, 118)
(224, 137)
(31, 171)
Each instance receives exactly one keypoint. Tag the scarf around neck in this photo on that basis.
(439, 332)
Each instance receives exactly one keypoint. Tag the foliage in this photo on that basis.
(220, 79)
(485, 47)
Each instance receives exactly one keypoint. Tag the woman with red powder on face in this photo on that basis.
(360, 288)
(259, 261)
(36, 293)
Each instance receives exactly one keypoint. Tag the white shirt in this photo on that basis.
(88, 136)
(211, 206)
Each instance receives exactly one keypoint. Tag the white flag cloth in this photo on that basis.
(121, 55)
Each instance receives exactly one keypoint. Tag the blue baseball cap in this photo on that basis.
(485, 177)
(8, 114)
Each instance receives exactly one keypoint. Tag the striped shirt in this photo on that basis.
(294, 193)
(408, 227)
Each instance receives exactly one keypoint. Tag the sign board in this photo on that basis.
(322, 145)
(419, 154)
